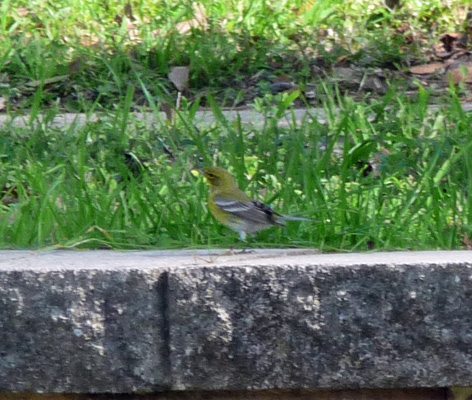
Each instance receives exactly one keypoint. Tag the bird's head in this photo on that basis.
(218, 178)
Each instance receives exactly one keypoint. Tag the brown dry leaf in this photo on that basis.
(179, 77)
(89, 41)
(460, 72)
(22, 11)
(344, 61)
(467, 242)
(407, 32)
(133, 33)
(457, 76)
(132, 29)
(100, 229)
(199, 22)
(426, 69)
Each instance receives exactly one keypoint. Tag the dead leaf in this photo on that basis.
(179, 77)
(459, 72)
(89, 41)
(457, 76)
(131, 28)
(22, 11)
(133, 33)
(344, 61)
(408, 33)
(467, 241)
(199, 22)
(426, 69)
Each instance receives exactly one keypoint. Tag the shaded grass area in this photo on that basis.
(400, 181)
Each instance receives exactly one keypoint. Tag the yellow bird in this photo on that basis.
(236, 210)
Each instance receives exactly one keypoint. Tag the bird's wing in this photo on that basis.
(253, 211)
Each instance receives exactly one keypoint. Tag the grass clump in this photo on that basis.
(400, 180)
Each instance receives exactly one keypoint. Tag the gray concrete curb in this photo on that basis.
(202, 118)
(149, 120)
(126, 322)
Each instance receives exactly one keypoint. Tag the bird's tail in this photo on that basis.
(290, 218)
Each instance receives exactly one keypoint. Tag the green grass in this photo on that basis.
(401, 181)
(77, 189)
(94, 47)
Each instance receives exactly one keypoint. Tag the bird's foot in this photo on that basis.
(246, 251)
(233, 252)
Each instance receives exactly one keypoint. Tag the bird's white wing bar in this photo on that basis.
(250, 211)
(232, 206)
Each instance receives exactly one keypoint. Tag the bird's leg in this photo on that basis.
(245, 250)
(232, 251)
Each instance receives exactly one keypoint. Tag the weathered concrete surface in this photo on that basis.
(336, 321)
(65, 329)
(124, 322)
